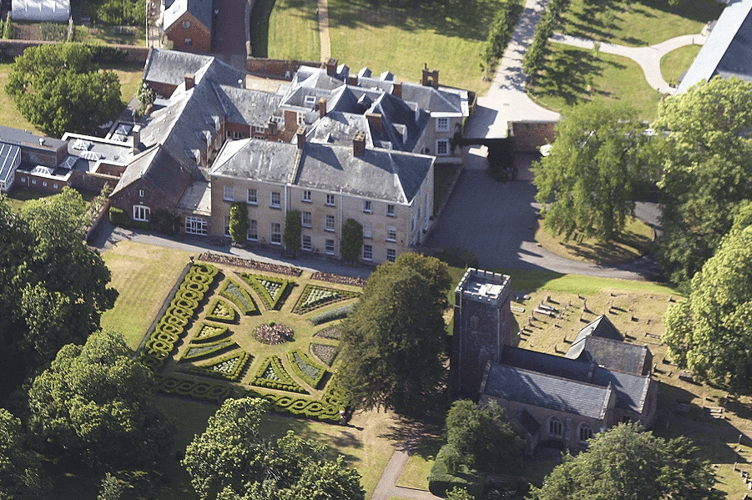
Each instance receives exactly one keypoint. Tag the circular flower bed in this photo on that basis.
(273, 334)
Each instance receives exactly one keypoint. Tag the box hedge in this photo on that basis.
(332, 314)
(214, 315)
(305, 368)
(271, 303)
(440, 480)
(240, 297)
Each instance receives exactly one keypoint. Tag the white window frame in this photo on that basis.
(141, 193)
(196, 225)
(188, 42)
(141, 213)
(329, 200)
(329, 225)
(252, 230)
(55, 185)
(307, 197)
(367, 230)
(259, 129)
(306, 219)
(367, 207)
(252, 196)
(367, 252)
(276, 238)
(391, 254)
(390, 211)
(305, 243)
(329, 247)
(275, 200)
(44, 183)
(229, 193)
(391, 233)
(442, 124)
(442, 145)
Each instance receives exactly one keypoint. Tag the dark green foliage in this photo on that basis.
(332, 314)
(291, 236)
(588, 181)
(21, 474)
(231, 460)
(208, 349)
(94, 404)
(164, 221)
(447, 473)
(239, 297)
(53, 32)
(190, 388)
(500, 33)
(352, 240)
(272, 375)
(326, 410)
(107, 53)
(457, 257)
(8, 27)
(536, 53)
(239, 222)
(119, 218)
(59, 89)
(122, 12)
(627, 463)
(393, 343)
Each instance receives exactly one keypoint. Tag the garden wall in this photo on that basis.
(282, 68)
(530, 135)
(13, 48)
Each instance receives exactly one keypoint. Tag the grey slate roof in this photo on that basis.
(613, 354)
(249, 107)
(160, 169)
(379, 174)
(599, 327)
(429, 98)
(339, 128)
(257, 159)
(728, 50)
(171, 66)
(20, 137)
(546, 391)
(200, 9)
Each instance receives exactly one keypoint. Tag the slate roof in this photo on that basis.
(379, 174)
(257, 159)
(728, 50)
(613, 354)
(22, 138)
(339, 128)
(171, 66)
(200, 9)
(599, 327)
(546, 391)
(249, 107)
(435, 100)
(160, 169)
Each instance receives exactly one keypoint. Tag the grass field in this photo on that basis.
(286, 29)
(573, 76)
(638, 23)
(677, 62)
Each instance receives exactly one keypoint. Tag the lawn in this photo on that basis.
(9, 115)
(143, 275)
(638, 23)
(677, 62)
(573, 76)
(286, 29)
(130, 76)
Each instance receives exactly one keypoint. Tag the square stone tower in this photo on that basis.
(482, 325)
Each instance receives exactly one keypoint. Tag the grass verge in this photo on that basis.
(677, 62)
(574, 76)
(286, 29)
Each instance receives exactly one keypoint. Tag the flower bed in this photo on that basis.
(228, 367)
(332, 333)
(198, 351)
(332, 314)
(272, 375)
(209, 333)
(250, 264)
(273, 291)
(315, 297)
(273, 334)
(239, 297)
(341, 280)
(305, 368)
(189, 388)
(325, 353)
(221, 311)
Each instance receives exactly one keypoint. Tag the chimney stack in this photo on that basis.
(300, 134)
(190, 81)
(430, 78)
(136, 135)
(322, 107)
(397, 89)
(291, 120)
(375, 121)
(331, 66)
(352, 80)
(272, 126)
(425, 75)
(435, 78)
(359, 144)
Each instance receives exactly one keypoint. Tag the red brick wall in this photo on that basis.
(276, 67)
(529, 136)
(198, 33)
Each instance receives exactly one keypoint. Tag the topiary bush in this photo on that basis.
(193, 389)
(441, 480)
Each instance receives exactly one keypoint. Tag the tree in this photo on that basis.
(352, 240)
(587, 182)
(710, 332)
(53, 288)
(393, 342)
(482, 435)
(291, 236)
(231, 460)
(95, 403)
(59, 89)
(239, 222)
(21, 476)
(627, 463)
(704, 164)
(458, 493)
(111, 488)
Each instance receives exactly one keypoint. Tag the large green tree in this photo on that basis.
(95, 404)
(291, 236)
(710, 333)
(626, 463)
(59, 89)
(393, 343)
(587, 183)
(352, 240)
(239, 222)
(704, 154)
(482, 435)
(21, 476)
(53, 288)
(231, 460)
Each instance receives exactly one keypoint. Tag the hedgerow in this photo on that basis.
(305, 368)
(228, 367)
(332, 314)
(315, 297)
(193, 389)
(273, 291)
(221, 311)
(272, 375)
(327, 409)
(239, 297)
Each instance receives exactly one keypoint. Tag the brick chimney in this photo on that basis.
(430, 78)
(300, 134)
(331, 66)
(190, 81)
(136, 135)
(397, 89)
(322, 107)
(359, 143)
(291, 120)
(435, 78)
(352, 80)
(375, 121)
(272, 126)
(424, 81)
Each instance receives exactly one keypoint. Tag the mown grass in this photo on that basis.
(9, 115)
(677, 62)
(130, 76)
(286, 29)
(574, 76)
(638, 23)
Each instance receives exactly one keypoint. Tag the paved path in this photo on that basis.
(326, 47)
(387, 488)
(649, 58)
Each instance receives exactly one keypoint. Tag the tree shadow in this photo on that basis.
(415, 436)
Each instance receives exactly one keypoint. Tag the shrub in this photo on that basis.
(273, 334)
(208, 349)
(221, 311)
(228, 367)
(457, 257)
(8, 27)
(305, 368)
(273, 291)
(332, 314)
(326, 410)
(239, 297)
(190, 388)
(119, 218)
(315, 297)
(106, 53)
(441, 480)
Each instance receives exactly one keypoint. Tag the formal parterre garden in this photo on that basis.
(236, 327)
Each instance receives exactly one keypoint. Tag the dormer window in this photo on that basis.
(309, 100)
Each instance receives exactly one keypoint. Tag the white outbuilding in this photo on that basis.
(40, 10)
